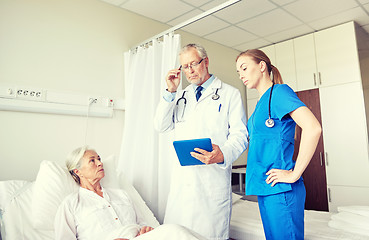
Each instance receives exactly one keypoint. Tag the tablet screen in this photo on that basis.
(185, 147)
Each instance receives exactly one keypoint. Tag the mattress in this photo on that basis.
(246, 224)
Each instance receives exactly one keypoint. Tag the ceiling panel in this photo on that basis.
(310, 10)
(231, 36)
(197, 3)
(289, 33)
(252, 23)
(115, 2)
(245, 10)
(366, 6)
(206, 26)
(283, 2)
(357, 14)
(257, 43)
(212, 4)
(158, 10)
(364, 1)
(185, 17)
(269, 23)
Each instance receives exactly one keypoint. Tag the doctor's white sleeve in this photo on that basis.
(163, 120)
(236, 142)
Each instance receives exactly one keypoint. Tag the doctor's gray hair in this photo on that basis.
(200, 49)
(73, 161)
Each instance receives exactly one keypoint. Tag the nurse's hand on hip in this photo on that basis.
(215, 156)
(173, 79)
(278, 175)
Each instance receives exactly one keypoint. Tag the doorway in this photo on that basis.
(314, 175)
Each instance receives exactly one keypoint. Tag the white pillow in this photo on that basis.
(360, 210)
(8, 189)
(52, 185)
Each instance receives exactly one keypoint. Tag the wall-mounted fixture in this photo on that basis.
(29, 99)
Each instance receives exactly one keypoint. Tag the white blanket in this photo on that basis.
(17, 220)
(163, 232)
(352, 219)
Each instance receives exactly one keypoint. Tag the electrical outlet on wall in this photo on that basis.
(7, 91)
(99, 101)
(32, 94)
(110, 102)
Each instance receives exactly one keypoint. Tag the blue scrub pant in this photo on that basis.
(282, 214)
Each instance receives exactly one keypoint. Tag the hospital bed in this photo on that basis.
(28, 208)
(350, 223)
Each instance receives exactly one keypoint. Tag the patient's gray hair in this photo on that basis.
(74, 161)
(200, 49)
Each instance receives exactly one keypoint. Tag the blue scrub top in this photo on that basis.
(271, 147)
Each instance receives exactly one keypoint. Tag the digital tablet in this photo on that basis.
(185, 147)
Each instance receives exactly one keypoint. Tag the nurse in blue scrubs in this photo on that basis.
(271, 174)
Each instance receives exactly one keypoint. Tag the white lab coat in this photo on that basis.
(200, 196)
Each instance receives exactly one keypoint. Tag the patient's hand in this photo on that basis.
(144, 229)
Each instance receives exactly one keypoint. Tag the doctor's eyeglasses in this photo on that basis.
(192, 65)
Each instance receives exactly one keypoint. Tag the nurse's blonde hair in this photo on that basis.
(73, 161)
(258, 56)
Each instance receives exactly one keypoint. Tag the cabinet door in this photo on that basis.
(345, 135)
(305, 60)
(337, 55)
(347, 196)
(315, 174)
(285, 62)
(270, 52)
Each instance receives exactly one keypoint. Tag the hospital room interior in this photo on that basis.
(70, 71)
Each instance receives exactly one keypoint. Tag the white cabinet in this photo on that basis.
(345, 134)
(347, 196)
(327, 58)
(270, 52)
(337, 55)
(285, 62)
(305, 60)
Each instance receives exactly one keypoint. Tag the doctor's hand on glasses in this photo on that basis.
(215, 156)
(192, 65)
(173, 79)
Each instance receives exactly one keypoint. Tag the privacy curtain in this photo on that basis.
(145, 154)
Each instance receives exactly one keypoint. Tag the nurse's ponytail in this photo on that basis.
(259, 56)
(276, 75)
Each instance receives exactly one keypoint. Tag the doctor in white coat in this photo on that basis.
(200, 196)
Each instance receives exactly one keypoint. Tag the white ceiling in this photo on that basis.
(252, 23)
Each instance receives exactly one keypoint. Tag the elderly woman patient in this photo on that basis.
(95, 212)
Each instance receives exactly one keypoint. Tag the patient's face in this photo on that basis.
(92, 168)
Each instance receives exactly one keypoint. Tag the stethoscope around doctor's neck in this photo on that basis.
(184, 100)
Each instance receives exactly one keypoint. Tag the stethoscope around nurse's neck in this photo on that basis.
(270, 122)
(215, 97)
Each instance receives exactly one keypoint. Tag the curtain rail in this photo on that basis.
(188, 22)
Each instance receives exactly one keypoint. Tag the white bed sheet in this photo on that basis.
(246, 224)
(16, 212)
